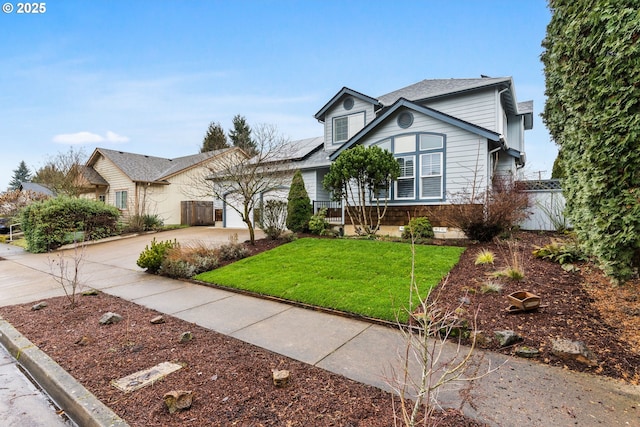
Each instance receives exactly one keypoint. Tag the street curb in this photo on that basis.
(77, 402)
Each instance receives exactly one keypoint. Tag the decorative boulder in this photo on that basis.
(186, 336)
(177, 400)
(157, 320)
(109, 318)
(573, 350)
(280, 378)
(39, 306)
(507, 338)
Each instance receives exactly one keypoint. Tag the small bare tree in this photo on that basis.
(66, 271)
(426, 363)
(240, 180)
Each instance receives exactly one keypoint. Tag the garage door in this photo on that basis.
(232, 219)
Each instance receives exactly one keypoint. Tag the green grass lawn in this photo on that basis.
(366, 277)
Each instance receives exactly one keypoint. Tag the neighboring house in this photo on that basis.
(448, 135)
(38, 189)
(139, 184)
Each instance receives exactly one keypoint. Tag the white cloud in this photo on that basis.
(115, 138)
(88, 138)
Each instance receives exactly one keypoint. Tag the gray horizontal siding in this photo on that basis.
(479, 108)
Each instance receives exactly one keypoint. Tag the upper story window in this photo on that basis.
(345, 127)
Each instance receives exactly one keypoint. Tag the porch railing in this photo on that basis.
(335, 214)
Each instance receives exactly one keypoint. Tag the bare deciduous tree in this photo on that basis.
(240, 180)
(61, 171)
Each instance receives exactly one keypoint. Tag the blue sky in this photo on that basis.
(149, 76)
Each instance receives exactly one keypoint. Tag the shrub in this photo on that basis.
(484, 257)
(145, 222)
(299, 207)
(418, 228)
(185, 261)
(483, 215)
(273, 218)
(318, 223)
(562, 253)
(153, 255)
(232, 250)
(50, 223)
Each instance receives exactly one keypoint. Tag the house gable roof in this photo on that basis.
(434, 88)
(344, 91)
(403, 103)
(143, 168)
(91, 175)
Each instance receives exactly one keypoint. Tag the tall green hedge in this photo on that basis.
(592, 67)
(52, 223)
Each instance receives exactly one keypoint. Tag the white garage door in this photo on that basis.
(232, 219)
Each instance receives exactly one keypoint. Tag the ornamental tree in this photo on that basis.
(592, 67)
(361, 177)
(299, 209)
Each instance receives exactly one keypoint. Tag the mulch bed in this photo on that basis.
(578, 306)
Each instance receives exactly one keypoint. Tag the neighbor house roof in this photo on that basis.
(144, 168)
(36, 188)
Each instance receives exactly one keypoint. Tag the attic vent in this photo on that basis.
(405, 119)
(348, 103)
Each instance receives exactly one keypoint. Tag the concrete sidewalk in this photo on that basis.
(519, 393)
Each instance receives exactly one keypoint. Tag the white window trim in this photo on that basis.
(395, 184)
(334, 136)
(441, 175)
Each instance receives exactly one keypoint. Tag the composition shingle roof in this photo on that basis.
(431, 88)
(144, 168)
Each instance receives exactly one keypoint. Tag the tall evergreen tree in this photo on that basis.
(299, 209)
(215, 139)
(240, 135)
(592, 68)
(20, 175)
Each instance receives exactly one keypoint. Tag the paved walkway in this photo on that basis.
(519, 393)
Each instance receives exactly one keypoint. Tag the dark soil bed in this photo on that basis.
(579, 306)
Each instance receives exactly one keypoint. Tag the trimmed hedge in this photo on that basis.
(51, 223)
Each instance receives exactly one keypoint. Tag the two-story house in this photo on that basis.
(448, 135)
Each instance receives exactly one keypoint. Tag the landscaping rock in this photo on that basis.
(527, 352)
(39, 306)
(186, 336)
(482, 339)
(90, 293)
(507, 338)
(157, 320)
(177, 400)
(85, 340)
(109, 318)
(573, 350)
(280, 378)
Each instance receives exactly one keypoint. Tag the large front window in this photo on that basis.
(421, 159)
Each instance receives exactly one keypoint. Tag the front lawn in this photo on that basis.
(365, 277)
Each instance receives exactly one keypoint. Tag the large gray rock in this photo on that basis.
(573, 350)
(507, 338)
(109, 318)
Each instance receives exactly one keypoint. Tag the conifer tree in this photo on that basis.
(240, 135)
(215, 139)
(20, 175)
(299, 209)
